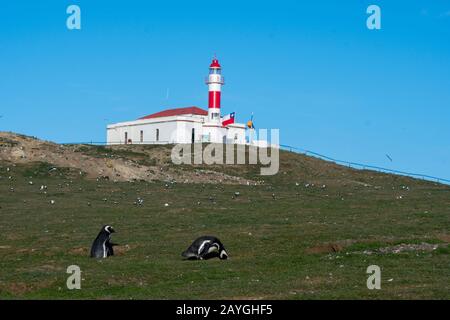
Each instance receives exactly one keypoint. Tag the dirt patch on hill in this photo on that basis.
(404, 247)
(21, 288)
(326, 248)
(346, 246)
(116, 163)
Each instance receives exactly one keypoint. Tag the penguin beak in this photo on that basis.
(112, 230)
(223, 255)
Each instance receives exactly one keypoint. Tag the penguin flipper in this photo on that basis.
(109, 249)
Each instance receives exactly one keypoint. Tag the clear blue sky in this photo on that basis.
(311, 69)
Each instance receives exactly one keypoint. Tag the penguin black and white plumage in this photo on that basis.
(205, 247)
(102, 246)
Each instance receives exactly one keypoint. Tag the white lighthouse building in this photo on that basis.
(183, 125)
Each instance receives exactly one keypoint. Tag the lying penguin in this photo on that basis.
(102, 246)
(204, 248)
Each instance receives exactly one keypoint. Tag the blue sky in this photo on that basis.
(311, 69)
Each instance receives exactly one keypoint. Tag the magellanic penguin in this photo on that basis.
(102, 246)
(204, 248)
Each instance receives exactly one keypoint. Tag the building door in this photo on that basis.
(126, 137)
(193, 136)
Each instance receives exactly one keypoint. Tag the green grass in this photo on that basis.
(110, 152)
(271, 240)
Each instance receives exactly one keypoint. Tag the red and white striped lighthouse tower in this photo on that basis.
(214, 82)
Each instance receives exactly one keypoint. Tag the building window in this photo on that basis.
(142, 136)
(157, 134)
(126, 137)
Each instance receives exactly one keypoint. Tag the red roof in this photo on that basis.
(177, 112)
(215, 64)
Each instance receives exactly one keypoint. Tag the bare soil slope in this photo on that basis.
(118, 163)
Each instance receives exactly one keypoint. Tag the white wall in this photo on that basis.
(185, 131)
(173, 130)
(239, 131)
(167, 131)
(216, 132)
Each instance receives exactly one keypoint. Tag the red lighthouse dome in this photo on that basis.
(215, 64)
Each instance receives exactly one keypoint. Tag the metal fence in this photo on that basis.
(362, 166)
(112, 143)
(354, 165)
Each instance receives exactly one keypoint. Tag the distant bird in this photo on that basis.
(204, 248)
(102, 247)
(387, 156)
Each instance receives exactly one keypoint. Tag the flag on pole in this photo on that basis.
(228, 119)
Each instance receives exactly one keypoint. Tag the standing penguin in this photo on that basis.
(102, 246)
(204, 248)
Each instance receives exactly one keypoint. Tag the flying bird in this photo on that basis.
(389, 157)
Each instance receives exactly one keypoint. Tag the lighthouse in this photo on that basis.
(214, 82)
(186, 124)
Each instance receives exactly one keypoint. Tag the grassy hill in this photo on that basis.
(309, 232)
